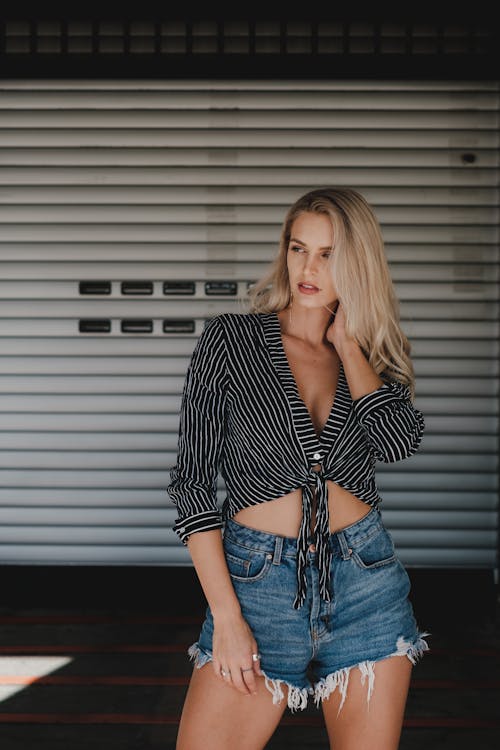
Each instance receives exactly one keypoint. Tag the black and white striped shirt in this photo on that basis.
(241, 414)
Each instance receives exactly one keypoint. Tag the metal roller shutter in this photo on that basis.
(126, 186)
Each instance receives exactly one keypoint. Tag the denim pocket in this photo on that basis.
(376, 551)
(246, 564)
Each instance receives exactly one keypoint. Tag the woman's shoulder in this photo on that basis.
(239, 321)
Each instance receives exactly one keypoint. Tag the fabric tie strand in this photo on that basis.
(321, 538)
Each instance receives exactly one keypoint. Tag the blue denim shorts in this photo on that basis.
(313, 649)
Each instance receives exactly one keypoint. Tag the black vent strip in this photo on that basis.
(94, 325)
(140, 288)
(221, 288)
(179, 325)
(179, 287)
(136, 325)
(94, 287)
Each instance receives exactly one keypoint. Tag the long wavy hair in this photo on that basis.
(360, 272)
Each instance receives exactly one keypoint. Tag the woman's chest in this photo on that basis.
(316, 374)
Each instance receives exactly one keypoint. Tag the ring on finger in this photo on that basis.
(224, 673)
(249, 669)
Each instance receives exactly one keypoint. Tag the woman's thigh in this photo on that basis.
(218, 717)
(375, 724)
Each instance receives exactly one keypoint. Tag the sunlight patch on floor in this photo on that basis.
(24, 667)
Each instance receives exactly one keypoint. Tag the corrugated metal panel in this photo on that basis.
(189, 181)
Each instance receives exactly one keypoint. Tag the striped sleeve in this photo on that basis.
(193, 479)
(394, 426)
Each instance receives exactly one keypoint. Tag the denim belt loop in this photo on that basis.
(278, 548)
(346, 554)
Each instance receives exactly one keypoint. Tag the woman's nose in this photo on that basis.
(311, 263)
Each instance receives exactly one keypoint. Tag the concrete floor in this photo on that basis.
(93, 659)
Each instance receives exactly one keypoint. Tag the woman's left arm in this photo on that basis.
(384, 409)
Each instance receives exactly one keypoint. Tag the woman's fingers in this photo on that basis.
(256, 662)
(248, 675)
(233, 662)
(237, 678)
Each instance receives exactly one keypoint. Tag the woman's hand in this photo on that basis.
(233, 645)
(336, 333)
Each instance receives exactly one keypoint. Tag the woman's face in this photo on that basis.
(311, 240)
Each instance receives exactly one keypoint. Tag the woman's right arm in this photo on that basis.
(233, 641)
(193, 489)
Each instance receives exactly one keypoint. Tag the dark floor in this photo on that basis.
(96, 658)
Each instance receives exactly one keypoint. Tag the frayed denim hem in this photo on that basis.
(297, 697)
(340, 678)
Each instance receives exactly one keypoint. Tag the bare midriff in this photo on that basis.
(283, 515)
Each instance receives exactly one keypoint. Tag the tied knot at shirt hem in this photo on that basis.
(316, 487)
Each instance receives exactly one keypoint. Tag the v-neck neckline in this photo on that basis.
(304, 422)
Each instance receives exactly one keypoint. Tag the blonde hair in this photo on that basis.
(361, 277)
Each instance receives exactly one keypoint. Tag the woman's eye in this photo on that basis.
(295, 248)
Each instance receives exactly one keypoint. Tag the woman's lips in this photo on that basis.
(309, 289)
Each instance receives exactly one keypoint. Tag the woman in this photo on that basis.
(294, 402)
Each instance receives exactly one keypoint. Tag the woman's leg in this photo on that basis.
(218, 717)
(376, 725)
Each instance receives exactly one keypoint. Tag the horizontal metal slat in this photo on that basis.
(262, 100)
(429, 371)
(478, 557)
(279, 85)
(52, 438)
(390, 479)
(91, 423)
(197, 308)
(388, 157)
(19, 517)
(435, 481)
(86, 384)
(58, 282)
(442, 508)
(446, 424)
(237, 137)
(221, 232)
(399, 512)
(123, 384)
(432, 216)
(46, 440)
(62, 255)
(172, 553)
(436, 348)
(435, 119)
(470, 463)
(408, 512)
(42, 497)
(440, 539)
(63, 327)
(71, 478)
(279, 196)
(167, 553)
(135, 403)
(251, 176)
(105, 366)
(89, 460)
